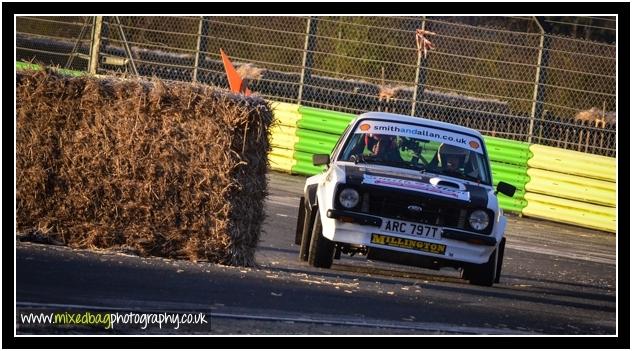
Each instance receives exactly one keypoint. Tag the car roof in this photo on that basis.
(409, 119)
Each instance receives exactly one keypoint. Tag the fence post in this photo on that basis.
(537, 106)
(75, 49)
(308, 55)
(96, 44)
(420, 76)
(197, 50)
(201, 47)
(128, 50)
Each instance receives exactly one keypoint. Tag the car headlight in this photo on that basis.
(479, 220)
(349, 198)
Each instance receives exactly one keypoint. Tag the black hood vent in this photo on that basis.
(447, 184)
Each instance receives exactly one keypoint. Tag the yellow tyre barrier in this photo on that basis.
(573, 162)
(571, 212)
(281, 159)
(285, 114)
(283, 137)
(571, 187)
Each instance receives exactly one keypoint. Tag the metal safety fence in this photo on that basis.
(508, 77)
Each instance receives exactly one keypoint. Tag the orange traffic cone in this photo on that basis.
(237, 85)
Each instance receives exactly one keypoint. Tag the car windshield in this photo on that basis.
(419, 148)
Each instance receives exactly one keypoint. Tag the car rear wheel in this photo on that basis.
(321, 249)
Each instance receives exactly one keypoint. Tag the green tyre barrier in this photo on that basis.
(315, 142)
(304, 164)
(323, 120)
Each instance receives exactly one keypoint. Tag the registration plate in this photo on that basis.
(410, 228)
(409, 244)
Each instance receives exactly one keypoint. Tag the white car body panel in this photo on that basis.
(358, 234)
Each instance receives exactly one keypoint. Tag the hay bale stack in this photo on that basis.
(167, 169)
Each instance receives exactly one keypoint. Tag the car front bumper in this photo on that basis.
(361, 229)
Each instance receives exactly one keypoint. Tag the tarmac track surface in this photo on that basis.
(557, 279)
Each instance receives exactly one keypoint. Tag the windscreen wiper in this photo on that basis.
(357, 158)
(472, 178)
(397, 163)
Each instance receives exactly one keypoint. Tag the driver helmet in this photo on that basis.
(371, 139)
(447, 151)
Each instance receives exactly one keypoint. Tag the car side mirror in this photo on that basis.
(505, 189)
(320, 159)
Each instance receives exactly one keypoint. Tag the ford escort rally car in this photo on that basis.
(409, 191)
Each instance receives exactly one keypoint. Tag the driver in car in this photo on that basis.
(454, 160)
(384, 147)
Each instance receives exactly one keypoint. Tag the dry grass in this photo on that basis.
(388, 92)
(250, 71)
(166, 169)
(596, 115)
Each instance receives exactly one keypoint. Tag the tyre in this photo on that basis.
(465, 273)
(300, 221)
(483, 274)
(321, 249)
(306, 235)
(501, 254)
(337, 253)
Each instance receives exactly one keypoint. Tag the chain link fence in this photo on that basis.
(55, 40)
(505, 76)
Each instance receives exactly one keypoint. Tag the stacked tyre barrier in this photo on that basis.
(283, 136)
(299, 133)
(509, 164)
(553, 184)
(318, 131)
(572, 187)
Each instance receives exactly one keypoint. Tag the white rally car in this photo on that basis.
(405, 190)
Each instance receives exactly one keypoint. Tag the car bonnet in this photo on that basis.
(428, 184)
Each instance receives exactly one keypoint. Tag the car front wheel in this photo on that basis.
(482, 274)
(309, 216)
(501, 254)
(321, 249)
(300, 221)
